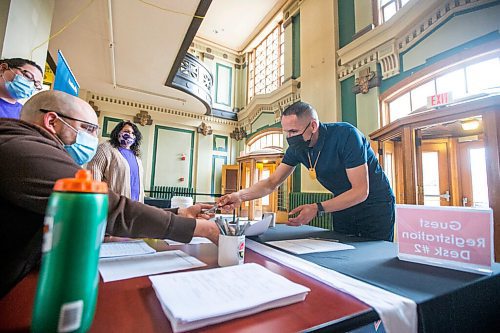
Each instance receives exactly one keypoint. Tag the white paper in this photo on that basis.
(200, 298)
(307, 245)
(122, 249)
(120, 268)
(398, 313)
(258, 227)
(195, 240)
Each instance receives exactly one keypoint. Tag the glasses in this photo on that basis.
(86, 126)
(28, 75)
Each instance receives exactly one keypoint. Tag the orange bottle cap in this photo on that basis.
(82, 182)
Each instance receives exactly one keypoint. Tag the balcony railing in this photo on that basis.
(195, 79)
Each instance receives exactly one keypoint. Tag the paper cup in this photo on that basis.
(231, 250)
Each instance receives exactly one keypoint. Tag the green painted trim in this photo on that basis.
(264, 112)
(217, 65)
(105, 122)
(155, 141)
(348, 101)
(257, 132)
(214, 147)
(296, 179)
(296, 46)
(347, 18)
(215, 157)
(492, 36)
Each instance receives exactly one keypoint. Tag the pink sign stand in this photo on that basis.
(453, 237)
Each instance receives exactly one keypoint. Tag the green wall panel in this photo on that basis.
(348, 101)
(296, 46)
(347, 27)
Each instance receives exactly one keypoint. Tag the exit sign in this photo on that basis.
(439, 99)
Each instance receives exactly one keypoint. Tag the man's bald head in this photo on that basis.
(59, 102)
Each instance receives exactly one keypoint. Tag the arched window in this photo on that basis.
(269, 140)
(462, 81)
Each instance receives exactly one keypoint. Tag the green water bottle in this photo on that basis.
(74, 227)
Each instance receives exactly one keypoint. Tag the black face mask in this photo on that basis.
(297, 142)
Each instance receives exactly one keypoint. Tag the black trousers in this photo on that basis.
(373, 220)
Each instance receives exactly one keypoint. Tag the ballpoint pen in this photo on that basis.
(210, 210)
(324, 239)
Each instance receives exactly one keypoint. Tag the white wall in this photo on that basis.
(318, 58)
(367, 109)
(318, 67)
(264, 119)
(362, 13)
(28, 26)
(171, 144)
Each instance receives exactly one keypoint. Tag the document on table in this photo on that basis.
(120, 268)
(307, 245)
(195, 240)
(122, 249)
(196, 299)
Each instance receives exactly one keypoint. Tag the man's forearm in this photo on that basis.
(345, 200)
(258, 190)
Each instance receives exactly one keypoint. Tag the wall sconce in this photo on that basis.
(204, 129)
(238, 134)
(183, 157)
(143, 118)
(470, 125)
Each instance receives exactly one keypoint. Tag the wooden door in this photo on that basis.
(268, 202)
(435, 173)
(229, 182)
(473, 179)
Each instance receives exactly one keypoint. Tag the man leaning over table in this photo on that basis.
(341, 159)
(57, 134)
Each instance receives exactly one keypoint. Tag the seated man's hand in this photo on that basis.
(208, 229)
(196, 211)
(229, 202)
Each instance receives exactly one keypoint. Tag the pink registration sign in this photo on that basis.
(453, 237)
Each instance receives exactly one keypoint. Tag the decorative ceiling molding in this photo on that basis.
(204, 47)
(94, 97)
(385, 43)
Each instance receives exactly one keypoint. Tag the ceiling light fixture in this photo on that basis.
(470, 125)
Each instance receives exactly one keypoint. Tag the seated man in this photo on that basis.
(56, 133)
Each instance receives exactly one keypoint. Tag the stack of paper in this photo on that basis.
(123, 249)
(196, 299)
(120, 268)
(303, 246)
(195, 240)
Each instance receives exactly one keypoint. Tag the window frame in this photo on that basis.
(378, 10)
(431, 74)
(252, 65)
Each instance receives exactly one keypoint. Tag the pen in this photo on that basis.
(210, 210)
(325, 239)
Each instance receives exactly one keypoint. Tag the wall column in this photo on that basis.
(24, 27)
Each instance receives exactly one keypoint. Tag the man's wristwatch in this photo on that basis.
(321, 210)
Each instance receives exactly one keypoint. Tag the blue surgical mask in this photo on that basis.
(20, 87)
(84, 148)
